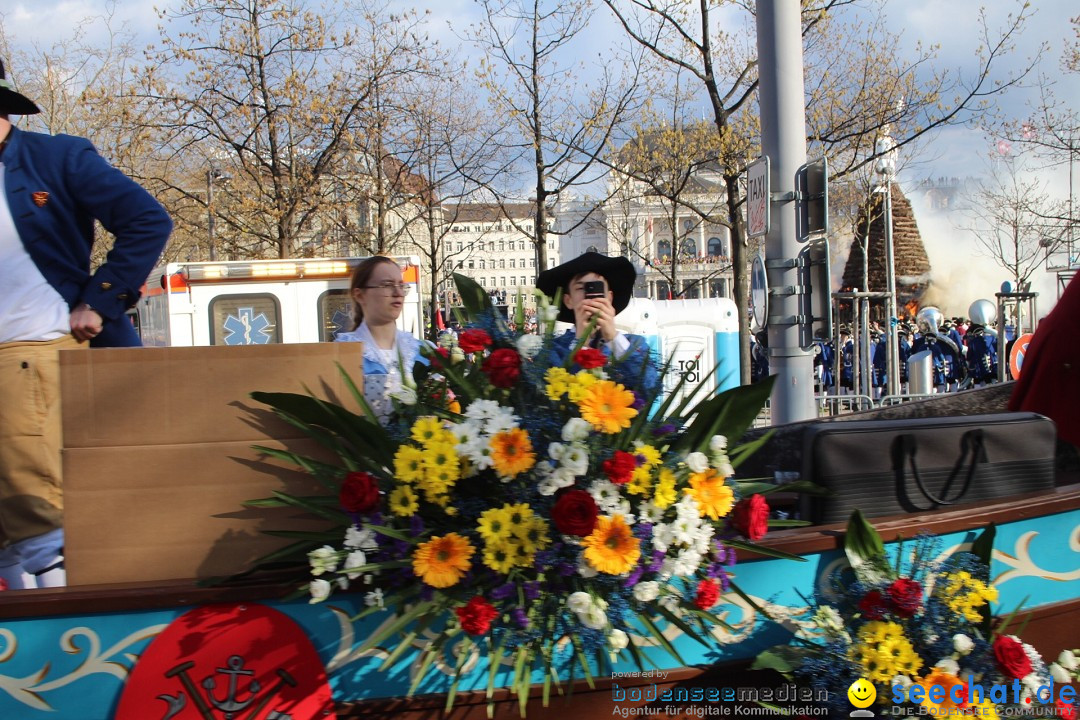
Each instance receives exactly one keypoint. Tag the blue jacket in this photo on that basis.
(75, 186)
(635, 369)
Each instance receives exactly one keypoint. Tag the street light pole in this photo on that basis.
(886, 167)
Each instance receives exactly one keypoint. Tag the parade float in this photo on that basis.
(522, 539)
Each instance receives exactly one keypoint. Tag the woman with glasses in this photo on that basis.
(378, 296)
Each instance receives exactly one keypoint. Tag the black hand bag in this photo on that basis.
(891, 467)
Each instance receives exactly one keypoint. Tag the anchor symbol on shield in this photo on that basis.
(231, 705)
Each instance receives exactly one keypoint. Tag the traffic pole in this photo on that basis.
(783, 140)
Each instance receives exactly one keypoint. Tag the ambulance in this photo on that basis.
(256, 302)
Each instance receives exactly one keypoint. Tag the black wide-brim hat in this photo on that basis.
(618, 271)
(11, 102)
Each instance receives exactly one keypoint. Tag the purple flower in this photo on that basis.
(520, 617)
(639, 400)
(643, 530)
(634, 576)
(503, 591)
(567, 569)
(657, 561)
(532, 590)
(416, 525)
(665, 429)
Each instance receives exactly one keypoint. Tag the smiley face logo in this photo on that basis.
(862, 693)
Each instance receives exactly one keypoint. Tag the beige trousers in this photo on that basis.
(31, 493)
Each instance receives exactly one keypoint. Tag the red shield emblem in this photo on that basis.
(228, 662)
(40, 198)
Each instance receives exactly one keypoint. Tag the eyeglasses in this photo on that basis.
(391, 288)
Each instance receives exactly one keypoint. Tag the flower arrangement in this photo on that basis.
(918, 621)
(533, 509)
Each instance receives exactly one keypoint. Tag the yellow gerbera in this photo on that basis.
(493, 524)
(409, 463)
(580, 384)
(665, 489)
(606, 406)
(402, 501)
(612, 548)
(426, 429)
(884, 652)
(533, 535)
(442, 561)
(650, 455)
(512, 452)
(501, 557)
(440, 458)
(713, 495)
(558, 382)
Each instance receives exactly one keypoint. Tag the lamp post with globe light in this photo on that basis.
(885, 149)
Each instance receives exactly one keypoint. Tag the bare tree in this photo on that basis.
(268, 98)
(555, 125)
(850, 105)
(1015, 220)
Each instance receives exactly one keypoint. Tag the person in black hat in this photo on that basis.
(52, 190)
(580, 305)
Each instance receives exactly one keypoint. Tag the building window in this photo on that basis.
(592, 249)
(513, 280)
(483, 281)
(502, 263)
(522, 279)
(663, 248)
(513, 263)
(500, 246)
(689, 247)
(483, 264)
(521, 245)
(471, 265)
(691, 289)
(716, 247)
(459, 247)
(663, 291)
(532, 263)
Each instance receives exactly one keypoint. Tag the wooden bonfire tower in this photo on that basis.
(909, 255)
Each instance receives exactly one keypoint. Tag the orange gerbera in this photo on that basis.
(611, 547)
(947, 706)
(712, 494)
(512, 452)
(442, 561)
(606, 405)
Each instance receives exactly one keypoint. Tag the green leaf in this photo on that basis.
(740, 453)
(784, 659)
(473, 297)
(865, 551)
(766, 551)
(732, 411)
(659, 637)
(680, 623)
(403, 619)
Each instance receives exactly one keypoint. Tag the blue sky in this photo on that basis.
(954, 152)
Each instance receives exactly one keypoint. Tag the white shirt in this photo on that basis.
(30, 308)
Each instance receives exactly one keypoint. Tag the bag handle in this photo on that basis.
(971, 442)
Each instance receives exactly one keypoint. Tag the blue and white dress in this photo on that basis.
(384, 368)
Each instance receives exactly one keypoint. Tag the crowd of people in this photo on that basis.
(963, 354)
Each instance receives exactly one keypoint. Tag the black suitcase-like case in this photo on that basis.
(888, 467)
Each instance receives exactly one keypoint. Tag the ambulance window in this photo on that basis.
(244, 320)
(335, 314)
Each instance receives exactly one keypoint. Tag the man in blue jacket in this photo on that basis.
(52, 189)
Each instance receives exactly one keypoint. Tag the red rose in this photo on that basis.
(1012, 661)
(440, 358)
(474, 340)
(619, 467)
(503, 367)
(476, 616)
(1064, 710)
(905, 597)
(359, 493)
(873, 605)
(574, 513)
(589, 358)
(708, 592)
(751, 517)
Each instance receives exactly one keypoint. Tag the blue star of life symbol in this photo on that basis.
(341, 321)
(247, 328)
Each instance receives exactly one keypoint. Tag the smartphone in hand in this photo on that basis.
(594, 289)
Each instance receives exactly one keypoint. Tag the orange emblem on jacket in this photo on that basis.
(40, 198)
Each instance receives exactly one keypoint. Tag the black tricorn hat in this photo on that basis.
(11, 102)
(618, 271)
